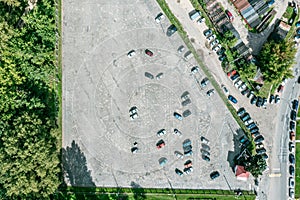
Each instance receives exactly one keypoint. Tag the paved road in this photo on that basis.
(280, 163)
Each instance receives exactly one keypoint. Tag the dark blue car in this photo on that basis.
(232, 99)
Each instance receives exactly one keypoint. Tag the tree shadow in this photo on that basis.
(138, 191)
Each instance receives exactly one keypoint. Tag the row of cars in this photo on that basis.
(254, 130)
(215, 44)
(291, 180)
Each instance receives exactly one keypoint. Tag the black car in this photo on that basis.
(272, 99)
(261, 151)
(295, 104)
(259, 101)
(241, 111)
(234, 77)
(264, 156)
(179, 172)
(214, 175)
(244, 92)
(204, 82)
(254, 130)
(187, 148)
(292, 158)
(206, 158)
(186, 113)
(186, 102)
(253, 100)
(171, 30)
(293, 115)
(252, 125)
(292, 170)
(259, 139)
(149, 75)
(204, 152)
(205, 147)
(222, 57)
(292, 125)
(221, 51)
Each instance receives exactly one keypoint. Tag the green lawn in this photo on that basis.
(297, 170)
(288, 13)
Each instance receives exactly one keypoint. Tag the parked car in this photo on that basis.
(225, 90)
(207, 32)
(255, 134)
(241, 111)
(253, 100)
(134, 150)
(221, 51)
(217, 48)
(188, 153)
(204, 82)
(214, 175)
(295, 104)
(264, 156)
(186, 143)
(238, 83)
(159, 17)
(234, 77)
(250, 95)
(214, 42)
(199, 21)
(222, 57)
(259, 101)
(159, 76)
(245, 117)
(292, 170)
(149, 75)
(133, 110)
(205, 146)
(177, 132)
(160, 144)
(232, 99)
(134, 116)
(249, 121)
(177, 116)
(292, 193)
(188, 170)
(206, 158)
(186, 113)
(231, 73)
(292, 136)
(242, 87)
(179, 172)
(277, 99)
(178, 154)
(185, 95)
(272, 99)
(261, 151)
(188, 164)
(211, 37)
(251, 125)
(171, 30)
(204, 152)
(264, 104)
(293, 115)
(161, 132)
(162, 161)
(280, 88)
(291, 182)
(292, 125)
(245, 91)
(131, 53)
(186, 102)
(195, 69)
(292, 158)
(148, 52)
(180, 49)
(253, 130)
(292, 147)
(259, 139)
(204, 140)
(229, 15)
(210, 92)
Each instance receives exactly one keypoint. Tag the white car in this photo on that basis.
(249, 121)
(131, 53)
(161, 132)
(195, 69)
(217, 48)
(259, 146)
(133, 110)
(225, 90)
(238, 83)
(159, 76)
(204, 140)
(242, 87)
(215, 42)
(177, 132)
(159, 18)
(178, 154)
(211, 38)
(133, 116)
(199, 21)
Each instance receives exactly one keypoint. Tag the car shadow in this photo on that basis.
(137, 190)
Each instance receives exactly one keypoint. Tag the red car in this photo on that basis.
(160, 144)
(229, 15)
(148, 52)
(280, 88)
(231, 73)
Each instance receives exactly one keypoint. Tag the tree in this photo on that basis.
(276, 60)
(229, 39)
(256, 165)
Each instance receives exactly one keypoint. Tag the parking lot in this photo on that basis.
(101, 85)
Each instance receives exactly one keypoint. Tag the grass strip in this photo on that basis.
(297, 171)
